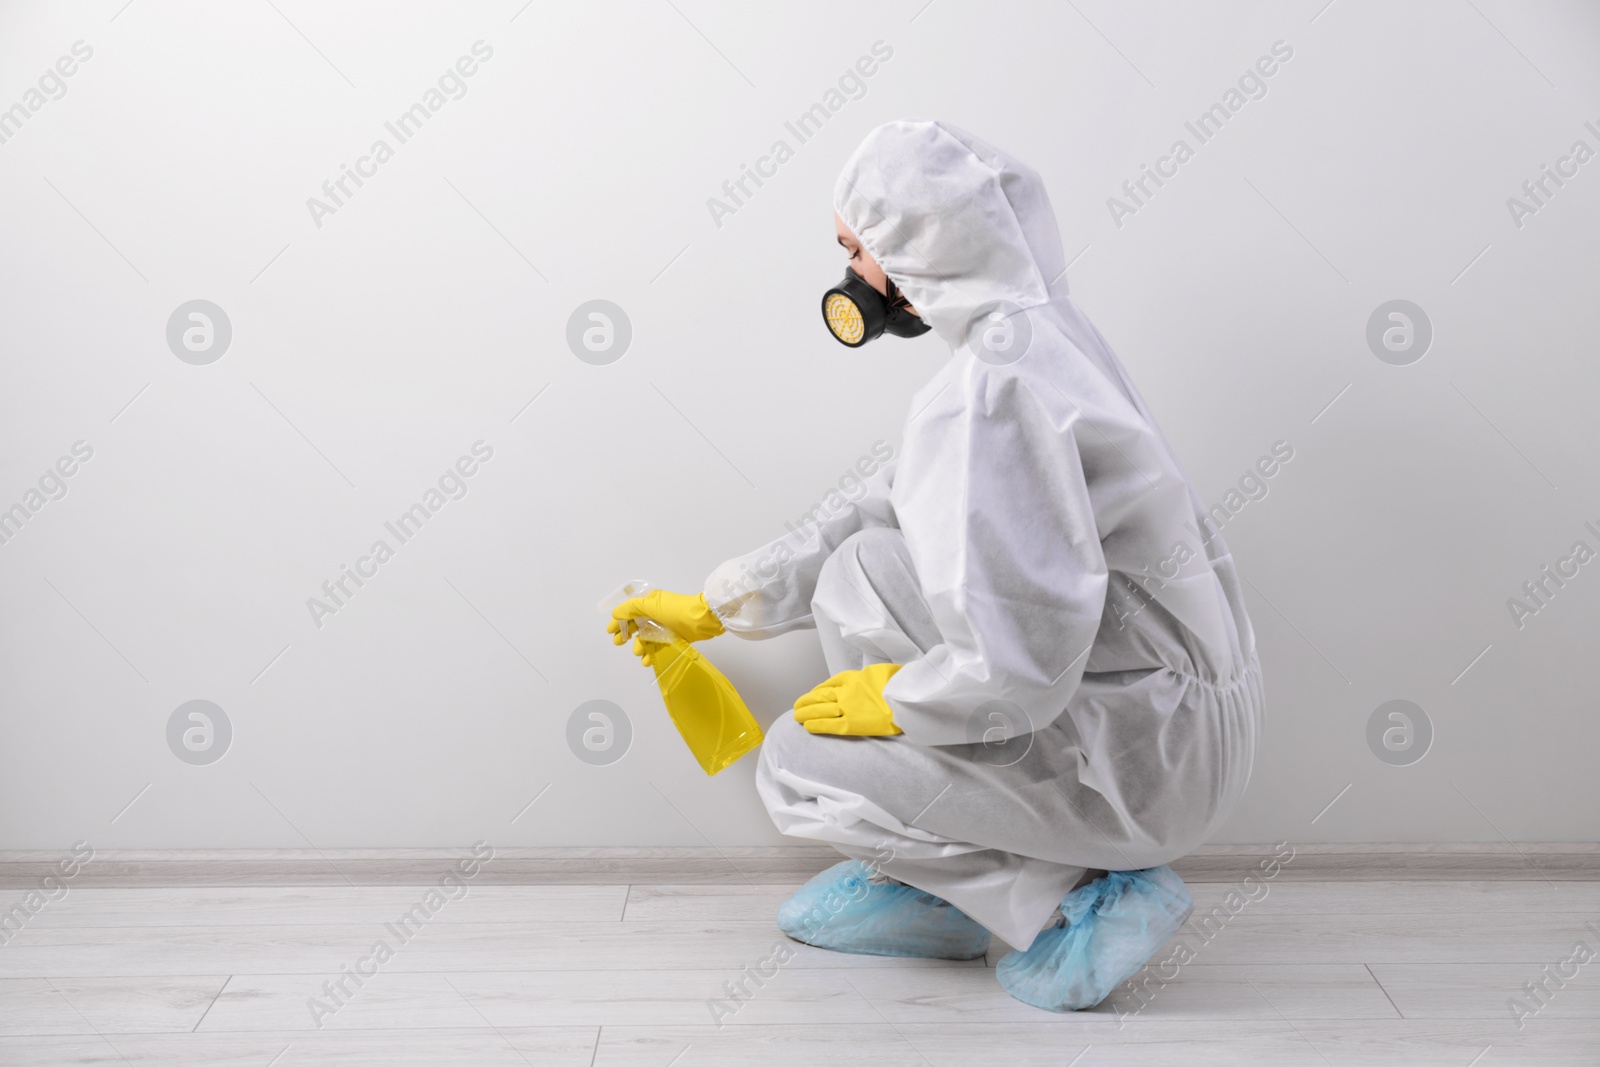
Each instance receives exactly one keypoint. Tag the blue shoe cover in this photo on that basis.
(841, 910)
(1113, 926)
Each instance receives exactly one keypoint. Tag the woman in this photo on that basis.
(1046, 684)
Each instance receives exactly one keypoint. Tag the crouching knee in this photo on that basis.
(862, 561)
(785, 746)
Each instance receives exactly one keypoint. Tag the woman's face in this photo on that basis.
(861, 261)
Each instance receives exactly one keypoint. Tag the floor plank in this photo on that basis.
(769, 1045)
(1487, 990)
(543, 998)
(325, 905)
(573, 946)
(477, 1047)
(1261, 992)
(37, 1007)
(706, 903)
(1263, 936)
(1458, 1044)
(1097, 1042)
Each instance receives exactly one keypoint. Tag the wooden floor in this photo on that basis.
(1316, 973)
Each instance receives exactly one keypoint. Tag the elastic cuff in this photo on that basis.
(715, 614)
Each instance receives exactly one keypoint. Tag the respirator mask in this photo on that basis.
(857, 313)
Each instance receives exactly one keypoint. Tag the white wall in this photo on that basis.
(370, 352)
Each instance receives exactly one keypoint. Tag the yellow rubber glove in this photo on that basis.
(850, 704)
(690, 617)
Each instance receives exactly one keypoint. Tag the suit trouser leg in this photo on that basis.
(865, 796)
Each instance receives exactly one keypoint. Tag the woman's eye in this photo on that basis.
(856, 254)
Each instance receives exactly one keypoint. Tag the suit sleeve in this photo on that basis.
(768, 592)
(998, 516)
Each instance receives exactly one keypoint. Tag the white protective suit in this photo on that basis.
(1034, 555)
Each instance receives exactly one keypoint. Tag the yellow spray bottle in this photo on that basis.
(703, 704)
